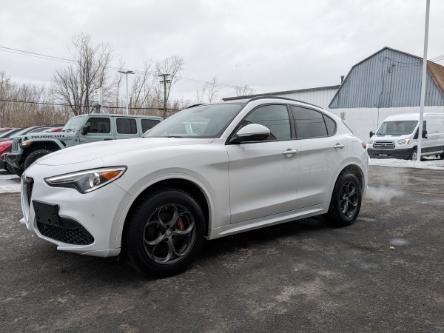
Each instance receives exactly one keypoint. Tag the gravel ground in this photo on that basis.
(383, 274)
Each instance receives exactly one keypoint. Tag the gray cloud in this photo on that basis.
(269, 45)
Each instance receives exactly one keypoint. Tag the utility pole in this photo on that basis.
(126, 81)
(424, 80)
(165, 80)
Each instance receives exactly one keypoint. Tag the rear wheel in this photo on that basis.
(34, 156)
(165, 233)
(346, 200)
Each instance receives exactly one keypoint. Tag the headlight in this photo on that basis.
(370, 141)
(26, 143)
(88, 180)
(404, 141)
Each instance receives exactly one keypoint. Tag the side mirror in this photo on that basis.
(251, 132)
(424, 134)
(371, 133)
(85, 129)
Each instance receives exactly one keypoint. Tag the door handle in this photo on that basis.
(289, 152)
(338, 146)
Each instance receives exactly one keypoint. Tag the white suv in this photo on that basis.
(206, 172)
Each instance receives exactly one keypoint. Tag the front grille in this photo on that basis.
(52, 225)
(77, 236)
(384, 145)
(14, 145)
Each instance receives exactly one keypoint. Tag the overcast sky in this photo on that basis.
(268, 45)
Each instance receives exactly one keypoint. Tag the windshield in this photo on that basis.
(205, 121)
(397, 127)
(74, 124)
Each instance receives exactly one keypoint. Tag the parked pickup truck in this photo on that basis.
(78, 130)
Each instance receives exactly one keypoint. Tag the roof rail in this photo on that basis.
(284, 98)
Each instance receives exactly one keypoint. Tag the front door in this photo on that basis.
(263, 175)
(98, 129)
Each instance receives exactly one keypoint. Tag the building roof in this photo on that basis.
(285, 92)
(437, 73)
(368, 83)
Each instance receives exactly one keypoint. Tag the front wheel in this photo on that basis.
(346, 201)
(34, 156)
(165, 233)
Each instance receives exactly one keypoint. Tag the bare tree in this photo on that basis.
(76, 84)
(141, 92)
(209, 92)
(171, 66)
(243, 90)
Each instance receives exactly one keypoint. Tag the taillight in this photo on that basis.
(364, 145)
(5, 146)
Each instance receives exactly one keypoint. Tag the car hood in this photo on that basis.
(391, 137)
(114, 149)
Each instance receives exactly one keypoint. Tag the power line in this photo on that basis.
(39, 55)
(75, 105)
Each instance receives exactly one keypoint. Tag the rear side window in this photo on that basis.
(126, 126)
(275, 117)
(99, 125)
(308, 123)
(331, 125)
(148, 124)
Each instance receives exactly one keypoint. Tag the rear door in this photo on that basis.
(263, 177)
(126, 128)
(319, 154)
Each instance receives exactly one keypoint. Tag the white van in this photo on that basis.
(397, 137)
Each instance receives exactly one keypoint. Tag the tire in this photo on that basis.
(160, 243)
(34, 156)
(13, 170)
(336, 217)
(414, 155)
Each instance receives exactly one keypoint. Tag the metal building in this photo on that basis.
(320, 96)
(385, 83)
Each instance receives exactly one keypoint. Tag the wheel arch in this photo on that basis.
(353, 167)
(189, 186)
(35, 145)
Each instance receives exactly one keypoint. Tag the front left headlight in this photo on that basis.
(87, 180)
(404, 141)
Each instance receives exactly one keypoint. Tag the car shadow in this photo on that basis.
(116, 271)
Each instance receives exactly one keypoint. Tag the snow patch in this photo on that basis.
(391, 162)
(9, 183)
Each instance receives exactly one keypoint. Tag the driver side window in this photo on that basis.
(275, 117)
(99, 125)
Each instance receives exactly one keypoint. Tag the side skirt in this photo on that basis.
(232, 229)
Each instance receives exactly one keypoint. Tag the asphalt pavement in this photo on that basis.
(385, 273)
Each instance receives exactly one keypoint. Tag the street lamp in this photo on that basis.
(126, 80)
(423, 82)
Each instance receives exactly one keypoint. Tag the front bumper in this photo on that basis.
(88, 224)
(390, 153)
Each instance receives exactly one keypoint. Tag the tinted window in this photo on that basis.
(126, 126)
(308, 123)
(148, 124)
(99, 125)
(331, 125)
(204, 121)
(275, 117)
